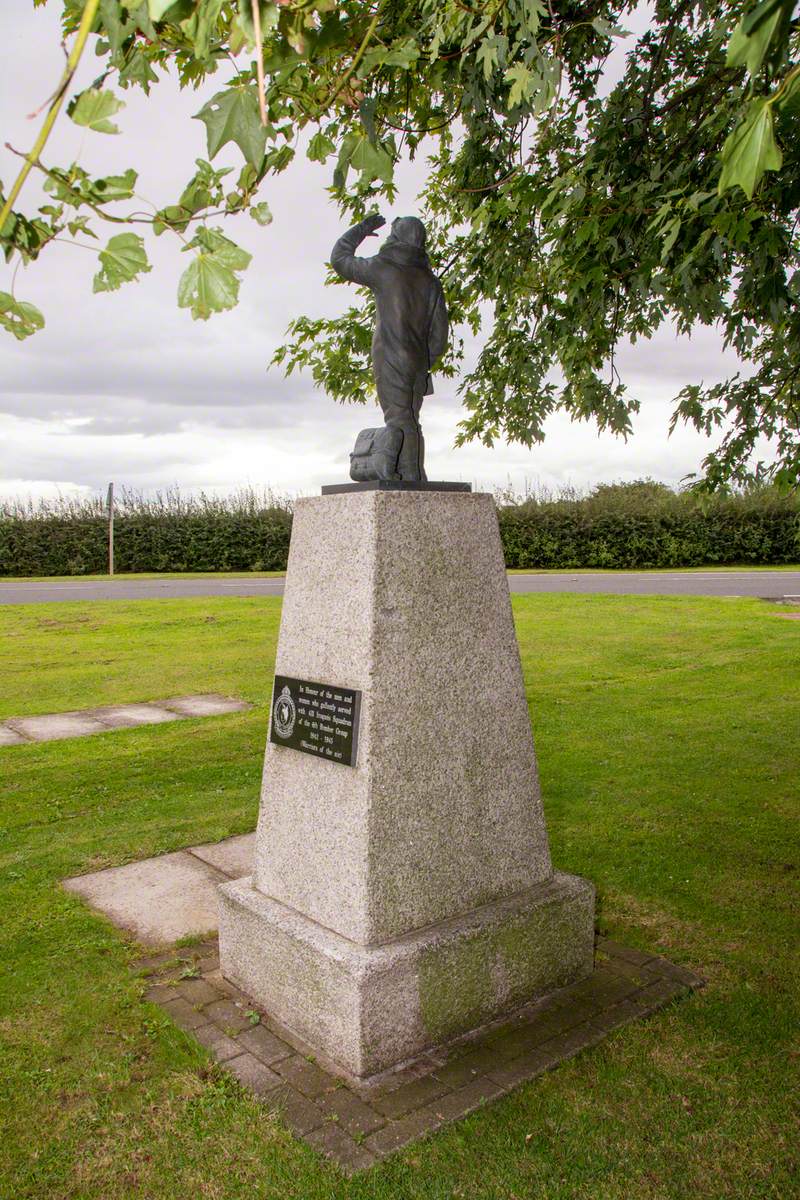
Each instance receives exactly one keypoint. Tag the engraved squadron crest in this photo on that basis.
(284, 714)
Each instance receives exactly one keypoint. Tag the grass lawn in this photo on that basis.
(668, 732)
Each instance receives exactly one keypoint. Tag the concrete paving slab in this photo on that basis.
(126, 716)
(10, 737)
(79, 723)
(55, 726)
(159, 900)
(210, 705)
(234, 857)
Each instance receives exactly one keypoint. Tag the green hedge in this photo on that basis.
(243, 533)
(637, 525)
(648, 525)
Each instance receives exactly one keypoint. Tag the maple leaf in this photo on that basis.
(233, 116)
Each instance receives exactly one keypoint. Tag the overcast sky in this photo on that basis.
(126, 386)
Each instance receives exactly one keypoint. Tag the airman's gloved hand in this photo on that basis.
(372, 223)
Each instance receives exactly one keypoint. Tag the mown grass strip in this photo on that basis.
(666, 730)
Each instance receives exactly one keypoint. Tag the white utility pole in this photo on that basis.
(111, 529)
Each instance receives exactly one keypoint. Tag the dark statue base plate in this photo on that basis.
(394, 485)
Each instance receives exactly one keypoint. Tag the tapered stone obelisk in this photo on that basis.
(406, 899)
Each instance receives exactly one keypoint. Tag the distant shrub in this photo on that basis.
(617, 525)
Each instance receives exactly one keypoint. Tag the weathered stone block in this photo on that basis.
(406, 900)
(369, 1007)
(404, 596)
(336, 1144)
(220, 1045)
(253, 1074)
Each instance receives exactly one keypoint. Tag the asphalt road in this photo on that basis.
(771, 585)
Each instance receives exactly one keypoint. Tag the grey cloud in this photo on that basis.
(104, 416)
(159, 405)
(88, 467)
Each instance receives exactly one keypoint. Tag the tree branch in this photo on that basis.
(87, 20)
(373, 25)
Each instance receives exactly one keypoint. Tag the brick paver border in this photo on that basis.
(357, 1126)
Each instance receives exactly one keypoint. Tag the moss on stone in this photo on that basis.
(496, 970)
(455, 986)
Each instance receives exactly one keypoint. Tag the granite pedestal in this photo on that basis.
(410, 898)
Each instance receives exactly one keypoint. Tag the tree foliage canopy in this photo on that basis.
(581, 213)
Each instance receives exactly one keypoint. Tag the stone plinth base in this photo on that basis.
(408, 898)
(371, 1007)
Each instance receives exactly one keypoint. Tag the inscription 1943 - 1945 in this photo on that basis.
(316, 718)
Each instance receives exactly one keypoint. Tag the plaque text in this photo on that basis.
(316, 718)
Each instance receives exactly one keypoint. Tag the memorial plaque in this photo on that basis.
(316, 718)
